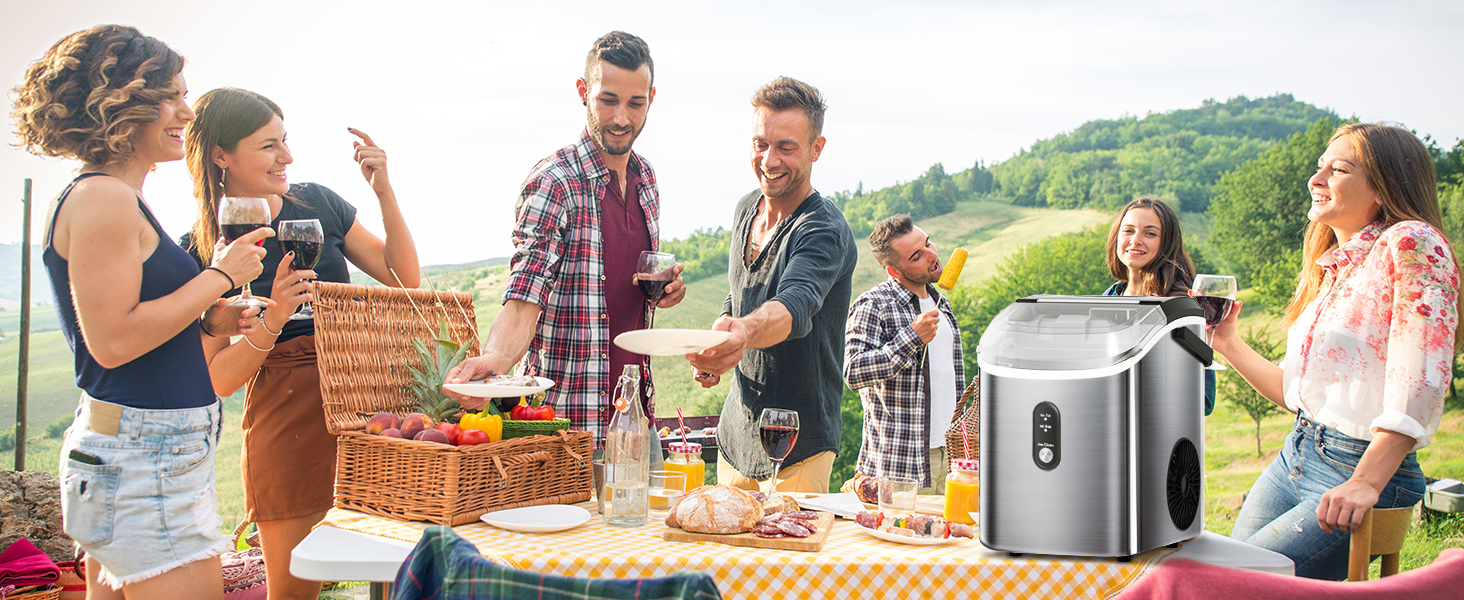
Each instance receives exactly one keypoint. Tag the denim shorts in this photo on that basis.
(1280, 513)
(148, 505)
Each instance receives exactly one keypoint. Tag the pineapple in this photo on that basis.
(428, 376)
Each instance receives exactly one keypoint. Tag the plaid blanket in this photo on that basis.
(445, 566)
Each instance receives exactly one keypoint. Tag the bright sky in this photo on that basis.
(466, 96)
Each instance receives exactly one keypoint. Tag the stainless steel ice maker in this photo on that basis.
(1092, 438)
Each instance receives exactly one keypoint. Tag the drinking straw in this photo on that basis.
(966, 438)
(683, 424)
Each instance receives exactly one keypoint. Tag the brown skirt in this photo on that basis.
(289, 456)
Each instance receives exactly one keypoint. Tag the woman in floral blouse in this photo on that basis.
(1369, 348)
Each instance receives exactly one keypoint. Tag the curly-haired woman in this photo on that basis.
(137, 473)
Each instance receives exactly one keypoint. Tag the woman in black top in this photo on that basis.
(237, 147)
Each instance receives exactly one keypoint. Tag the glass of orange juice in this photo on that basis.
(963, 491)
(686, 457)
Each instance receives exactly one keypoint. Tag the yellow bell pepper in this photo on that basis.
(486, 422)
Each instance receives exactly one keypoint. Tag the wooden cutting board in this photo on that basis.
(812, 543)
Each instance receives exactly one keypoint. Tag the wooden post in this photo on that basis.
(23, 359)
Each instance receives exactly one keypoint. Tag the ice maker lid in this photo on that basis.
(1077, 332)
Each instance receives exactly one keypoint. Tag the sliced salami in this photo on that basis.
(793, 528)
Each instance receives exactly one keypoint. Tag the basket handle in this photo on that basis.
(539, 457)
(238, 531)
(569, 449)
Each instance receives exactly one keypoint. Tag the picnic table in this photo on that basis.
(851, 564)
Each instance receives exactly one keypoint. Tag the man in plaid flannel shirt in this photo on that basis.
(569, 291)
(903, 354)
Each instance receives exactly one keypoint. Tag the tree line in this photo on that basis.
(1176, 156)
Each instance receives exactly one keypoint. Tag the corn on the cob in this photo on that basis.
(953, 269)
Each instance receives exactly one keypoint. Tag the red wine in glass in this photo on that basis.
(1215, 294)
(239, 215)
(653, 271)
(779, 430)
(234, 231)
(307, 254)
(1215, 308)
(778, 441)
(653, 288)
(305, 238)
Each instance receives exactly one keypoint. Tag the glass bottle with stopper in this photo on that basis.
(627, 466)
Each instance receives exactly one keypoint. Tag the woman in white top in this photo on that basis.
(1370, 343)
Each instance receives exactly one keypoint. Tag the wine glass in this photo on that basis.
(305, 238)
(239, 215)
(1215, 295)
(779, 429)
(653, 272)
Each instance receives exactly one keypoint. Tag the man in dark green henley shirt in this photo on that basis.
(791, 265)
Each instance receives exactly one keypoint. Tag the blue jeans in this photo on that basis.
(139, 496)
(1280, 513)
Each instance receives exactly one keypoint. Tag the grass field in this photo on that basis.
(988, 231)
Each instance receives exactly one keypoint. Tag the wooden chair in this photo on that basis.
(1382, 533)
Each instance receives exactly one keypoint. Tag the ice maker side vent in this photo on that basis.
(1182, 484)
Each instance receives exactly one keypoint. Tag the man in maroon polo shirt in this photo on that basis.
(583, 217)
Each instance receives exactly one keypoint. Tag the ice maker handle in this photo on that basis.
(1194, 345)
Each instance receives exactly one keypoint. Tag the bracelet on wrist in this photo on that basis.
(232, 285)
(266, 326)
(251, 344)
(203, 326)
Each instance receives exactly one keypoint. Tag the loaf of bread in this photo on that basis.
(715, 509)
(863, 486)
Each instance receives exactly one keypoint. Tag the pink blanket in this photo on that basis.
(1183, 579)
(23, 564)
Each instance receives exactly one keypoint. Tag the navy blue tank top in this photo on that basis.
(171, 376)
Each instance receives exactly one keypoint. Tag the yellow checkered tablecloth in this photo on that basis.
(852, 564)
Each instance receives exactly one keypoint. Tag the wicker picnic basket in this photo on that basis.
(34, 592)
(968, 411)
(363, 342)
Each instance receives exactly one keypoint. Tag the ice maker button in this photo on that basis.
(1046, 436)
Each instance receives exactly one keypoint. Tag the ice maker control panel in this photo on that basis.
(1046, 436)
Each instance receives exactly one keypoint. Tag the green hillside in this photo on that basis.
(1176, 156)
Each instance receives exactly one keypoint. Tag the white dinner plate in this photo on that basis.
(670, 342)
(479, 389)
(538, 519)
(913, 541)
